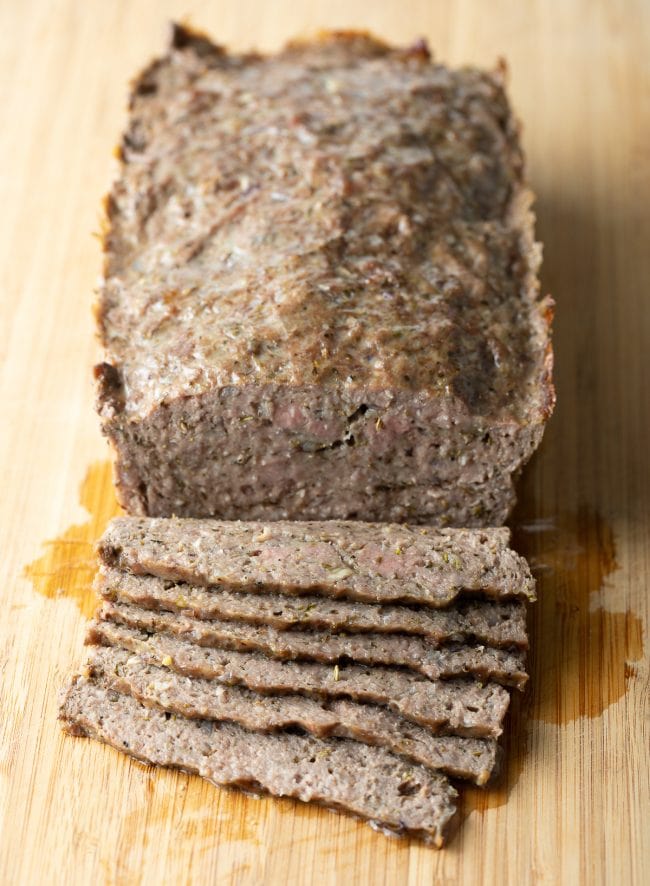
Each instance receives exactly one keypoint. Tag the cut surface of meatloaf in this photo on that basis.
(368, 562)
(487, 621)
(493, 623)
(481, 662)
(367, 781)
(320, 292)
(469, 758)
(460, 707)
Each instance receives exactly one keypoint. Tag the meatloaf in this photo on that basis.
(487, 621)
(320, 294)
(367, 781)
(481, 662)
(369, 562)
(459, 707)
(469, 758)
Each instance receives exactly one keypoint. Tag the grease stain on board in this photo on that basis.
(582, 655)
(68, 565)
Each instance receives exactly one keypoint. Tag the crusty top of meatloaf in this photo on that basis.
(339, 214)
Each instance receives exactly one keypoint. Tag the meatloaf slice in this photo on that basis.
(459, 707)
(482, 662)
(369, 562)
(367, 781)
(320, 292)
(487, 621)
(469, 758)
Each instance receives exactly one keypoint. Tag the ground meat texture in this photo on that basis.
(457, 707)
(489, 622)
(482, 662)
(468, 758)
(320, 294)
(367, 781)
(368, 562)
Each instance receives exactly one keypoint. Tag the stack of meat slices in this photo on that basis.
(350, 664)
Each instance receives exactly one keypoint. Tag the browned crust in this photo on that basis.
(547, 311)
(183, 36)
(110, 391)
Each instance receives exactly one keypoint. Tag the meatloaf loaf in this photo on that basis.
(320, 295)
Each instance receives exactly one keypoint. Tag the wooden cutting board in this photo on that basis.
(573, 806)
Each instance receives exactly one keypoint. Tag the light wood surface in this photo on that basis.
(574, 804)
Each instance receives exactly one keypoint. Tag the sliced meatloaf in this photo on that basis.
(482, 662)
(469, 758)
(320, 293)
(461, 707)
(369, 562)
(486, 621)
(367, 781)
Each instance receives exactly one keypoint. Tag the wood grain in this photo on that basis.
(574, 803)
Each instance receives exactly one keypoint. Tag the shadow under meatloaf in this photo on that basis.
(482, 662)
(367, 562)
(460, 707)
(287, 332)
(485, 621)
(367, 781)
(468, 758)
